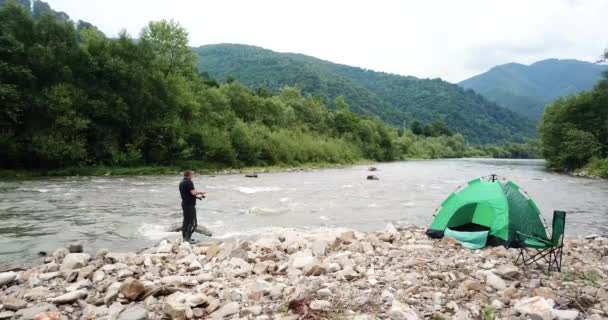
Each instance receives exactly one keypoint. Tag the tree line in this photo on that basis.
(72, 97)
(574, 131)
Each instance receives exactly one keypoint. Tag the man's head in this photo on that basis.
(188, 174)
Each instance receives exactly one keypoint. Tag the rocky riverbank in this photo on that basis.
(394, 274)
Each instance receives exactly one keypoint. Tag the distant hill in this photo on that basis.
(391, 97)
(527, 89)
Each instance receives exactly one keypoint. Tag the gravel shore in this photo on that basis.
(397, 273)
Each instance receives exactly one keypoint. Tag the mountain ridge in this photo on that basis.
(526, 89)
(393, 98)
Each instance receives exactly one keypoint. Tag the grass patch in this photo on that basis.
(488, 313)
(592, 278)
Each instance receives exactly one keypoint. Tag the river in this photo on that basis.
(131, 212)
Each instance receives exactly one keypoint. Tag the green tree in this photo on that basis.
(169, 41)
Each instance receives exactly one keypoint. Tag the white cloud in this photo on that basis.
(449, 39)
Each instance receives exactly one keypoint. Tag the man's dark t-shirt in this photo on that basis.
(184, 189)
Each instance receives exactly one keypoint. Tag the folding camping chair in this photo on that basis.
(548, 250)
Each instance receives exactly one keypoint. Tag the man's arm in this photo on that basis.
(195, 192)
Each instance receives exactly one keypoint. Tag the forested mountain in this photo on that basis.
(527, 89)
(391, 97)
(73, 98)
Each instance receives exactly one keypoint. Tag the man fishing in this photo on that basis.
(189, 196)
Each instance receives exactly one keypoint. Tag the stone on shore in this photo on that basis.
(69, 297)
(7, 278)
(537, 307)
(226, 310)
(176, 307)
(74, 261)
(397, 273)
(132, 289)
(134, 312)
(13, 304)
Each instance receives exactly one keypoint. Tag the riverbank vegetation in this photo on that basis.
(574, 132)
(73, 98)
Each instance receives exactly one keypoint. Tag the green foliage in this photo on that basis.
(73, 99)
(597, 167)
(390, 97)
(488, 313)
(574, 130)
(527, 89)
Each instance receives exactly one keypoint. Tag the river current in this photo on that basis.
(131, 212)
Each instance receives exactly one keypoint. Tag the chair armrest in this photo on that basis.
(545, 241)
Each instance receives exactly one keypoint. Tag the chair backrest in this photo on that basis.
(559, 224)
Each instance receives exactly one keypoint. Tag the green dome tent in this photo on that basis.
(484, 213)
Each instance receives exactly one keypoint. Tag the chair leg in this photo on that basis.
(550, 257)
(520, 255)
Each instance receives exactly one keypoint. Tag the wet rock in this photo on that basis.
(13, 304)
(69, 297)
(132, 289)
(535, 307)
(74, 247)
(372, 177)
(323, 305)
(496, 282)
(176, 307)
(134, 312)
(74, 261)
(7, 278)
(225, 311)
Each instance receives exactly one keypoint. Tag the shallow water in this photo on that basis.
(128, 213)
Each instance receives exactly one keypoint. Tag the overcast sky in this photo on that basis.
(449, 39)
